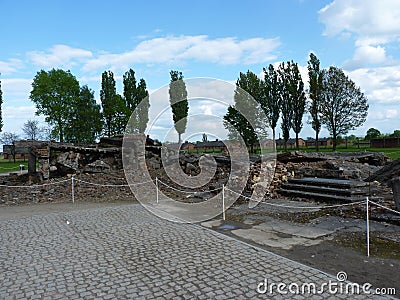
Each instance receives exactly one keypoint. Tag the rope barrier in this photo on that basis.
(300, 207)
(34, 185)
(387, 208)
(13, 168)
(103, 185)
(187, 192)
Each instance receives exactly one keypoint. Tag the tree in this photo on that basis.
(86, 121)
(344, 107)
(1, 103)
(204, 138)
(286, 100)
(271, 103)
(315, 76)
(32, 130)
(298, 96)
(372, 133)
(395, 134)
(179, 102)
(136, 100)
(54, 93)
(121, 114)
(108, 97)
(8, 138)
(244, 118)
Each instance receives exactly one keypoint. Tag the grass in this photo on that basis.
(393, 153)
(7, 166)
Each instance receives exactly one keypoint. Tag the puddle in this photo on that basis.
(227, 227)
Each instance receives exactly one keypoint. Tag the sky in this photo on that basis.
(206, 39)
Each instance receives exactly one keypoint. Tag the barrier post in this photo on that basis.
(367, 226)
(73, 189)
(223, 202)
(157, 190)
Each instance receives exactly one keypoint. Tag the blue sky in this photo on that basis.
(215, 39)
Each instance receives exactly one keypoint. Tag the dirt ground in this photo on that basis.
(342, 251)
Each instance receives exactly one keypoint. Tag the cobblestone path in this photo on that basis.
(124, 252)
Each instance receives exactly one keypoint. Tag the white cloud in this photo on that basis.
(170, 49)
(367, 55)
(10, 66)
(15, 88)
(373, 22)
(59, 56)
(381, 85)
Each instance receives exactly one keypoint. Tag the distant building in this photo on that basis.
(322, 142)
(291, 143)
(212, 145)
(385, 143)
(187, 146)
(20, 152)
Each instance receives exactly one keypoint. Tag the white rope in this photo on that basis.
(187, 192)
(103, 185)
(13, 168)
(300, 207)
(392, 210)
(34, 185)
(111, 185)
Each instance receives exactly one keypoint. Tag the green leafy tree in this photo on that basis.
(108, 97)
(204, 138)
(137, 101)
(395, 134)
(286, 100)
(315, 76)
(248, 88)
(372, 133)
(344, 107)
(54, 93)
(32, 130)
(86, 119)
(121, 112)
(298, 96)
(8, 138)
(1, 103)
(270, 102)
(179, 102)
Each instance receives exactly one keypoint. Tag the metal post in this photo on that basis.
(73, 189)
(367, 227)
(223, 202)
(157, 190)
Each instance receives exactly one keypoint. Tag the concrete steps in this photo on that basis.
(326, 189)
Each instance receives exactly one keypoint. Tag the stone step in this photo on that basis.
(340, 183)
(327, 190)
(323, 196)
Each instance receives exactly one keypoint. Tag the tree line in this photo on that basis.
(72, 110)
(333, 101)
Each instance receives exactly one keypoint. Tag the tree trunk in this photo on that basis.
(334, 142)
(297, 141)
(316, 141)
(273, 135)
(179, 137)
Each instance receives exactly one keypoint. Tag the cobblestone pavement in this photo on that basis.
(124, 252)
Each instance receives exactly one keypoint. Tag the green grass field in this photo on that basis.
(393, 153)
(7, 166)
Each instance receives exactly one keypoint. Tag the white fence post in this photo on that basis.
(223, 202)
(73, 189)
(157, 190)
(367, 227)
